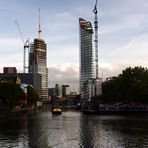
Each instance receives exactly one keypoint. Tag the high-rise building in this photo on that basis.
(38, 64)
(86, 54)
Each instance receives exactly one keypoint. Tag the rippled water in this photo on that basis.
(74, 130)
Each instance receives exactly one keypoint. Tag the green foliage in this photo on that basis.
(131, 85)
(10, 93)
(32, 96)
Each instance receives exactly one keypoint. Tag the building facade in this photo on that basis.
(61, 90)
(9, 70)
(32, 79)
(92, 87)
(38, 64)
(86, 54)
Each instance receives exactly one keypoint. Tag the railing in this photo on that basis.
(122, 108)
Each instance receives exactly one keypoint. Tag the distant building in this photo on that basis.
(61, 90)
(58, 90)
(86, 54)
(26, 78)
(98, 86)
(59, 95)
(32, 79)
(51, 92)
(10, 77)
(10, 74)
(64, 90)
(38, 64)
(71, 101)
(9, 70)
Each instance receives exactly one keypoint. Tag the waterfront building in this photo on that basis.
(86, 54)
(26, 78)
(33, 79)
(71, 101)
(92, 87)
(98, 86)
(38, 64)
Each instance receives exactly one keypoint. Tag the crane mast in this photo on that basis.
(25, 44)
(96, 37)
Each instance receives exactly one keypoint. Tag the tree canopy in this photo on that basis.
(11, 94)
(131, 85)
(32, 96)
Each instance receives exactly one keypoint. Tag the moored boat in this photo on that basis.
(57, 110)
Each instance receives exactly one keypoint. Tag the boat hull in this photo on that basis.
(57, 111)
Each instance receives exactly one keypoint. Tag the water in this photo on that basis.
(74, 130)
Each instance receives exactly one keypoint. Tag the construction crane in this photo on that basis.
(96, 37)
(25, 44)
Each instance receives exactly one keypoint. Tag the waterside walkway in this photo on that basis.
(14, 112)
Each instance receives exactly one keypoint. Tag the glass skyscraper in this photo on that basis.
(86, 54)
(38, 64)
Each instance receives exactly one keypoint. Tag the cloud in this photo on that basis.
(116, 68)
(124, 24)
(134, 53)
(58, 54)
(65, 16)
(136, 48)
(11, 51)
(65, 74)
(10, 44)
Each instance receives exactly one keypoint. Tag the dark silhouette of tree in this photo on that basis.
(10, 94)
(131, 85)
(32, 96)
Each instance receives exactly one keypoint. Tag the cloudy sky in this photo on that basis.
(123, 34)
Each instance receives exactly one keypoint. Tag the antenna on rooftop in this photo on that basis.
(39, 29)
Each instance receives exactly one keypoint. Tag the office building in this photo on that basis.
(86, 54)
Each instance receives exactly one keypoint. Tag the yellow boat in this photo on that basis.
(57, 110)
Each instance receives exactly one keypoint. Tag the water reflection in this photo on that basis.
(114, 131)
(86, 133)
(74, 130)
(12, 132)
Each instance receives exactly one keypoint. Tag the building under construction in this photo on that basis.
(38, 64)
(38, 61)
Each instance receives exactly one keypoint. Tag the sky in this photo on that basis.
(123, 35)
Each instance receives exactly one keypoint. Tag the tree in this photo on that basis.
(10, 94)
(131, 85)
(32, 96)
